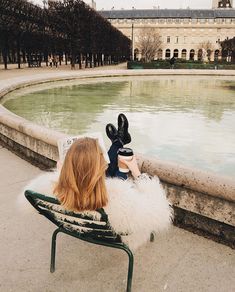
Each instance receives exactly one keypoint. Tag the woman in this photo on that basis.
(136, 206)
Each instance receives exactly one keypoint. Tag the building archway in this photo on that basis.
(191, 55)
(176, 53)
(168, 54)
(184, 54)
(216, 55)
(199, 55)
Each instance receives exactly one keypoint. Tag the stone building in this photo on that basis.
(182, 31)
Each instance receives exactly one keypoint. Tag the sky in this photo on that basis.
(148, 4)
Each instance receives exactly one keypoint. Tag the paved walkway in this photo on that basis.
(12, 70)
(176, 262)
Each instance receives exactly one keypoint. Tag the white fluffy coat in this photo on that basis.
(135, 207)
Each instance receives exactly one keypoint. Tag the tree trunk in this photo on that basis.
(79, 60)
(66, 59)
(86, 60)
(24, 57)
(5, 52)
(94, 59)
(90, 58)
(18, 53)
(4, 55)
(73, 60)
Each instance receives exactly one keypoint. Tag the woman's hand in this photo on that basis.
(132, 165)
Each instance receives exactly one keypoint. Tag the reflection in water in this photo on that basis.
(185, 119)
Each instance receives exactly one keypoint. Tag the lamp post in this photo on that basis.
(132, 40)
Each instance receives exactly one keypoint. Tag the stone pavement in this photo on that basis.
(178, 261)
(12, 70)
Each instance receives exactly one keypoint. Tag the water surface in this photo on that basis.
(189, 120)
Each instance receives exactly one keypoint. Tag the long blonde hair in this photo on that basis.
(81, 184)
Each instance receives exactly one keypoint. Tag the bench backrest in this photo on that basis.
(87, 225)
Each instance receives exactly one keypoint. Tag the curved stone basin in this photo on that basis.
(196, 192)
(187, 120)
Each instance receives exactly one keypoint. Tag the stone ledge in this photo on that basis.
(188, 177)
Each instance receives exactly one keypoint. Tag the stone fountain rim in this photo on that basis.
(191, 178)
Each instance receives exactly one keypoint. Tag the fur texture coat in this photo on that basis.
(137, 207)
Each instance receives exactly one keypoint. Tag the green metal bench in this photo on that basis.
(82, 226)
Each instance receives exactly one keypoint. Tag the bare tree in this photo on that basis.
(149, 42)
(228, 50)
(67, 27)
(206, 50)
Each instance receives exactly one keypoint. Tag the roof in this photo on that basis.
(168, 13)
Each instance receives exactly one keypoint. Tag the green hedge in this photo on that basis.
(163, 64)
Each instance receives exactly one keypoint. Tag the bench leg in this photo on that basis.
(53, 250)
(130, 270)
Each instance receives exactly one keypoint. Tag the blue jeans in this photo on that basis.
(113, 170)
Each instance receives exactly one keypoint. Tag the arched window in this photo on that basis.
(216, 56)
(176, 53)
(168, 54)
(159, 54)
(191, 55)
(209, 54)
(183, 54)
(199, 55)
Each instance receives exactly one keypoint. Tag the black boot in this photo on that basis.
(122, 131)
(112, 132)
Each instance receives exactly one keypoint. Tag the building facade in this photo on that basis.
(182, 31)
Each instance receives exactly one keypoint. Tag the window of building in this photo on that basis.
(168, 54)
(184, 54)
(168, 39)
(199, 55)
(192, 54)
(176, 53)
(176, 39)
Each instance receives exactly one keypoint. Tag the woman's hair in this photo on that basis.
(81, 185)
